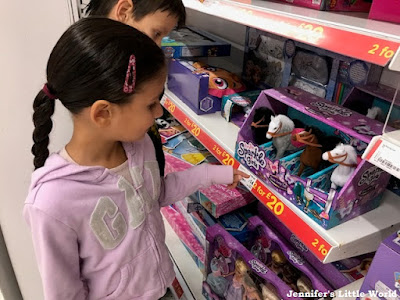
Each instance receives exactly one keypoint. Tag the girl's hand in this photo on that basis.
(237, 176)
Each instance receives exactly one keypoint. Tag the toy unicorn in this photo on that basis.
(280, 130)
(312, 154)
(346, 158)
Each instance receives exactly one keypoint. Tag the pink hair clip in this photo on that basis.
(130, 79)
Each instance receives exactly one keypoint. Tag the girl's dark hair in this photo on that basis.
(141, 8)
(89, 63)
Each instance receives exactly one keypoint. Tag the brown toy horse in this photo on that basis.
(312, 154)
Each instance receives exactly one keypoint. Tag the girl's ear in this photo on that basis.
(123, 11)
(101, 113)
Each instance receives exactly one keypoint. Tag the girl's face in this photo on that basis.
(133, 120)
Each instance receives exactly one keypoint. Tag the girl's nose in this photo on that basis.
(158, 111)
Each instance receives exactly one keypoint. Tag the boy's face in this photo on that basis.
(156, 25)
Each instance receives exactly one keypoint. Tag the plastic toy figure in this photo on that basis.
(236, 289)
(262, 116)
(250, 289)
(280, 131)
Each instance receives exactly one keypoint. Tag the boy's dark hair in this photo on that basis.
(88, 63)
(141, 8)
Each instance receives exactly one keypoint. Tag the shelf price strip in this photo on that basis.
(364, 47)
(314, 242)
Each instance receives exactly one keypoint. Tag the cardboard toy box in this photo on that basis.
(383, 278)
(233, 272)
(272, 61)
(333, 5)
(312, 192)
(192, 42)
(339, 273)
(385, 10)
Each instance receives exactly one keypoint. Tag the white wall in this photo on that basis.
(28, 31)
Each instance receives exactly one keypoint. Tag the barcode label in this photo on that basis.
(388, 164)
(247, 182)
(316, 2)
(387, 157)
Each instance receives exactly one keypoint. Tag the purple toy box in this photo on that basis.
(234, 273)
(271, 249)
(313, 192)
(333, 5)
(339, 273)
(385, 10)
(383, 279)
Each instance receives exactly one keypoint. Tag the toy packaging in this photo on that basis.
(217, 199)
(383, 279)
(318, 167)
(192, 42)
(333, 5)
(235, 107)
(388, 10)
(169, 128)
(275, 252)
(201, 86)
(233, 272)
(339, 273)
(274, 61)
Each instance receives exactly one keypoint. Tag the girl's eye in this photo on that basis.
(220, 83)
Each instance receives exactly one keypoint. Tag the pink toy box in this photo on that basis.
(333, 5)
(234, 273)
(217, 199)
(313, 192)
(385, 10)
(339, 273)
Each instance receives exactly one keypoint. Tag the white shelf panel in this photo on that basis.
(184, 263)
(357, 236)
(351, 34)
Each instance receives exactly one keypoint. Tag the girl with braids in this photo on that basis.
(93, 207)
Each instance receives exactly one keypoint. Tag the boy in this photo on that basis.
(156, 18)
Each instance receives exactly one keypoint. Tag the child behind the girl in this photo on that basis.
(93, 208)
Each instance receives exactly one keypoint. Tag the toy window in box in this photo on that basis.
(328, 193)
(339, 273)
(233, 273)
(192, 42)
(383, 278)
(200, 86)
(273, 61)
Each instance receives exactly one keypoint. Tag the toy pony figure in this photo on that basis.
(280, 130)
(312, 154)
(221, 82)
(260, 123)
(346, 158)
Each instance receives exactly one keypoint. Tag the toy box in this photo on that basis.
(217, 199)
(388, 10)
(383, 278)
(273, 61)
(272, 249)
(200, 86)
(339, 273)
(193, 42)
(313, 192)
(235, 107)
(233, 272)
(334, 5)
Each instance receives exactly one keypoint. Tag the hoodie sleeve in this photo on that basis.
(178, 185)
(56, 249)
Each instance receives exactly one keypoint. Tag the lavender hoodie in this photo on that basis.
(98, 237)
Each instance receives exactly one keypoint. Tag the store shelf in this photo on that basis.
(350, 34)
(185, 265)
(357, 236)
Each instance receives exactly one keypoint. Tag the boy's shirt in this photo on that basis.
(96, 236)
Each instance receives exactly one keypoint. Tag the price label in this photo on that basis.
(310, 33)
(386, 156)
(382, 51)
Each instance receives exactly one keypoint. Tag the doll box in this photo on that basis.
(383, 279)
(192, 42)
(217, 199)
(234, 273)
(264, 241)
(201, 87)
(312, 193)
(339, 273)
(333, 5)
(385, 10)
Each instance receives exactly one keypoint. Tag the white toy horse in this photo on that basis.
(346, 158)
(280, 130)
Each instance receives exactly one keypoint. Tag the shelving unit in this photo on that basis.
(350, 34)
(357, 236)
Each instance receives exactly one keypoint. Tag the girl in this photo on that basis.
(93, 208)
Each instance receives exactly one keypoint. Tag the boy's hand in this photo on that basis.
(237, 176)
